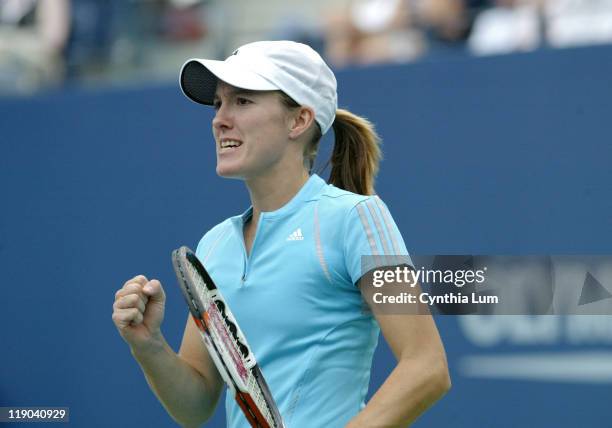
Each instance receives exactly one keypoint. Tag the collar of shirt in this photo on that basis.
(309, 191)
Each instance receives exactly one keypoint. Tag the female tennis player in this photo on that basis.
(291, 265)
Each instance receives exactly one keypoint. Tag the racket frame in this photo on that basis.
(202, 305)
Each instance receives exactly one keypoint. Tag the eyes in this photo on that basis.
(240, 101)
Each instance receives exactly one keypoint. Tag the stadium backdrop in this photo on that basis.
(500, 155)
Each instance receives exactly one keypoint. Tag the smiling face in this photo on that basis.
(252, 133)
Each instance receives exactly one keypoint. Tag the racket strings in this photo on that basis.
(202, 288)
(232, 328)
(206, 293)
(259, 399)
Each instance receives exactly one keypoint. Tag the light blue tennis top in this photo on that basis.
(296, 300)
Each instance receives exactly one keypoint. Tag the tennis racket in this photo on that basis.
(225, 342)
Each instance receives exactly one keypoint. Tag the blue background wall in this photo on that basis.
(504, 155)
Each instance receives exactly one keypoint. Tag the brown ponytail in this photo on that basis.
(356, 154)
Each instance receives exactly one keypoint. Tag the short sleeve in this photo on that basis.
(372, 239)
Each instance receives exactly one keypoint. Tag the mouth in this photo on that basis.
(228, 145)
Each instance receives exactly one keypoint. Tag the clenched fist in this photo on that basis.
(138, 312)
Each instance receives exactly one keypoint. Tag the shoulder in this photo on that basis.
(334, 198)
(214, 234)
(340, 211)
(342, 203)
(361, 217)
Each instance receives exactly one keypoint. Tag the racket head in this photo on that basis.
(196, 305)
(205, 302)
(210, 311)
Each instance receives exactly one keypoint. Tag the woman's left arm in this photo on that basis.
(420, 378)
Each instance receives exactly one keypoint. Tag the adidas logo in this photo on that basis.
(296, 235)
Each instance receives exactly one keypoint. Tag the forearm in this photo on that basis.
(182, 390)
(411, 388)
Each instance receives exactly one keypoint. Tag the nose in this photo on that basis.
(222, 119)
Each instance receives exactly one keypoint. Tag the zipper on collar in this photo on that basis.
(247, 258)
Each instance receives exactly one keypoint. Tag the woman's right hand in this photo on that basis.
(138, 312)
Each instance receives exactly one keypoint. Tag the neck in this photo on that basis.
(271, 192)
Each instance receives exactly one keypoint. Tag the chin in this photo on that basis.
(227, 172)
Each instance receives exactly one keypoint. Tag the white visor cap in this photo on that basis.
(294, 68)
